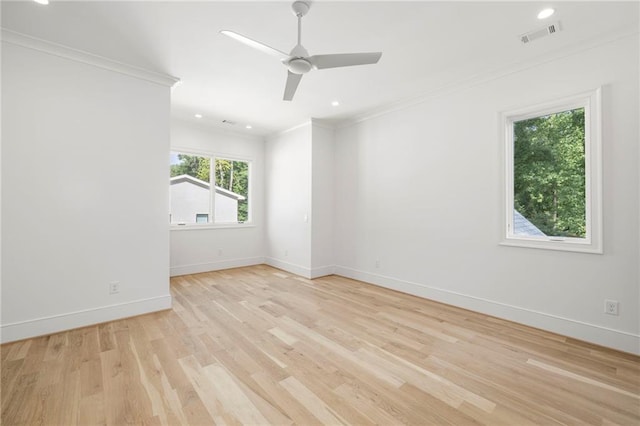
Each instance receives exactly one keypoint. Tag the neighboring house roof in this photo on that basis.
(522, 226)
(205, 185)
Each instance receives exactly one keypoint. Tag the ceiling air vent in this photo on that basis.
(542, 32)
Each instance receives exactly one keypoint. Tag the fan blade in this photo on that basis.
(256, 45)
(344, 59)
(292, 84)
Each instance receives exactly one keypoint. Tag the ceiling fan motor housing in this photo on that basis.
(299, 66)
(300, 8)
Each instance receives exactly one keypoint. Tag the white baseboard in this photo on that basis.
(56, 323)
(289, 267)
(309, 273)
(616, 339)
(214, 266)
(322, 271)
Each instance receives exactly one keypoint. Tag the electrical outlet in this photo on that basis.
(611, 307)
(114, 287)
(219, 252)
(286, 253)
(377, 263)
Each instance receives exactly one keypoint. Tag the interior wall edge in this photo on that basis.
(322, 271)
(278, 133)
(71, 320)
(610, 338)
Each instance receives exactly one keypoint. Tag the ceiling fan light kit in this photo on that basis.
(298, 61)
(299, 66)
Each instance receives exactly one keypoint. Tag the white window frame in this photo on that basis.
(592, 243)
(212, 225)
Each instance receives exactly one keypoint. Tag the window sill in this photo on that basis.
(194, 226)
(553, 244)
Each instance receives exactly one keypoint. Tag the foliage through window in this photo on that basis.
(192, 194)
(549, 173)
(553, 175)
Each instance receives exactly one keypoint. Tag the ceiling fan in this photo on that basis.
(298, 61)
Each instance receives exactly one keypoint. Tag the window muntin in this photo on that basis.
(195, 201)
(553, 175)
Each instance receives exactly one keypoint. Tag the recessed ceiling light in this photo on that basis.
(42, 1)
(198, 115)
(335, 103)
(545, 13)
(248, 126)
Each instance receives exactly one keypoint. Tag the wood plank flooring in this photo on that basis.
(258, 346)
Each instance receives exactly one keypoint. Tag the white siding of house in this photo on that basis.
(226, 209)
(189, 199)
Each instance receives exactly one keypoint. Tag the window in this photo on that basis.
(193, 200)
(553, 175)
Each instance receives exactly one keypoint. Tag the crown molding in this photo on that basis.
(478, 80)
(290, 129)
(45, 46)
(322, 123)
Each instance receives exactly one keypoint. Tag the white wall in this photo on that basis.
(199, 250)
(288, 195)
(419, 189)
(299, 202)
(322, 188)
(84, 195)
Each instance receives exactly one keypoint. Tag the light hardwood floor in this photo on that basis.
(259, 346)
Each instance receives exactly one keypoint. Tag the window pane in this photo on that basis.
(549, 175)
(202, 218)
(232, 190)
(192, 165)
(190, 188)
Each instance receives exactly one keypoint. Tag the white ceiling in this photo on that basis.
(426, 47)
